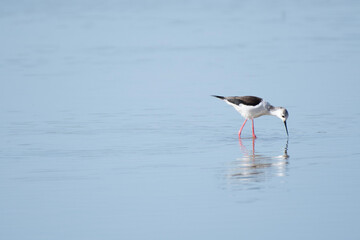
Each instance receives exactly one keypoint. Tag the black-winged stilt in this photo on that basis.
(251, 107)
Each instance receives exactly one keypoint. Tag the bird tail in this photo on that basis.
(221, 97)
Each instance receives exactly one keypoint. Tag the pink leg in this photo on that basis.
(253, 131)
(242, 128)
(253, 145)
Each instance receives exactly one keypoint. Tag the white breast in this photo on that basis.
(249, 112)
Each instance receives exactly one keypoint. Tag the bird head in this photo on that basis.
(283, 114)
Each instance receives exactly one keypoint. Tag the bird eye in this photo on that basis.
(283, 116)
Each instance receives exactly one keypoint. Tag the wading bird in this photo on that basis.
(251, 107)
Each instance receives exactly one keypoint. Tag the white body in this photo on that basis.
(249, 112)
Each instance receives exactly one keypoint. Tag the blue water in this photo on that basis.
(108, 129)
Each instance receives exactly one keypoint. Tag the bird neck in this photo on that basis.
(274, 110)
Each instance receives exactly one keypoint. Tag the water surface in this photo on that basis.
(108, 130)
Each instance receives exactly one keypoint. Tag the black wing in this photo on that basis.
(246, 100)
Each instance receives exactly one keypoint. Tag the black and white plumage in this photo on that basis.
(251, 107)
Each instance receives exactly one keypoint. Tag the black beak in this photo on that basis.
(286, 128)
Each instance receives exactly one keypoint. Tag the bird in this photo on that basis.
(251, 107)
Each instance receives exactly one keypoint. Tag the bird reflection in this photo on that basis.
(255, 167)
